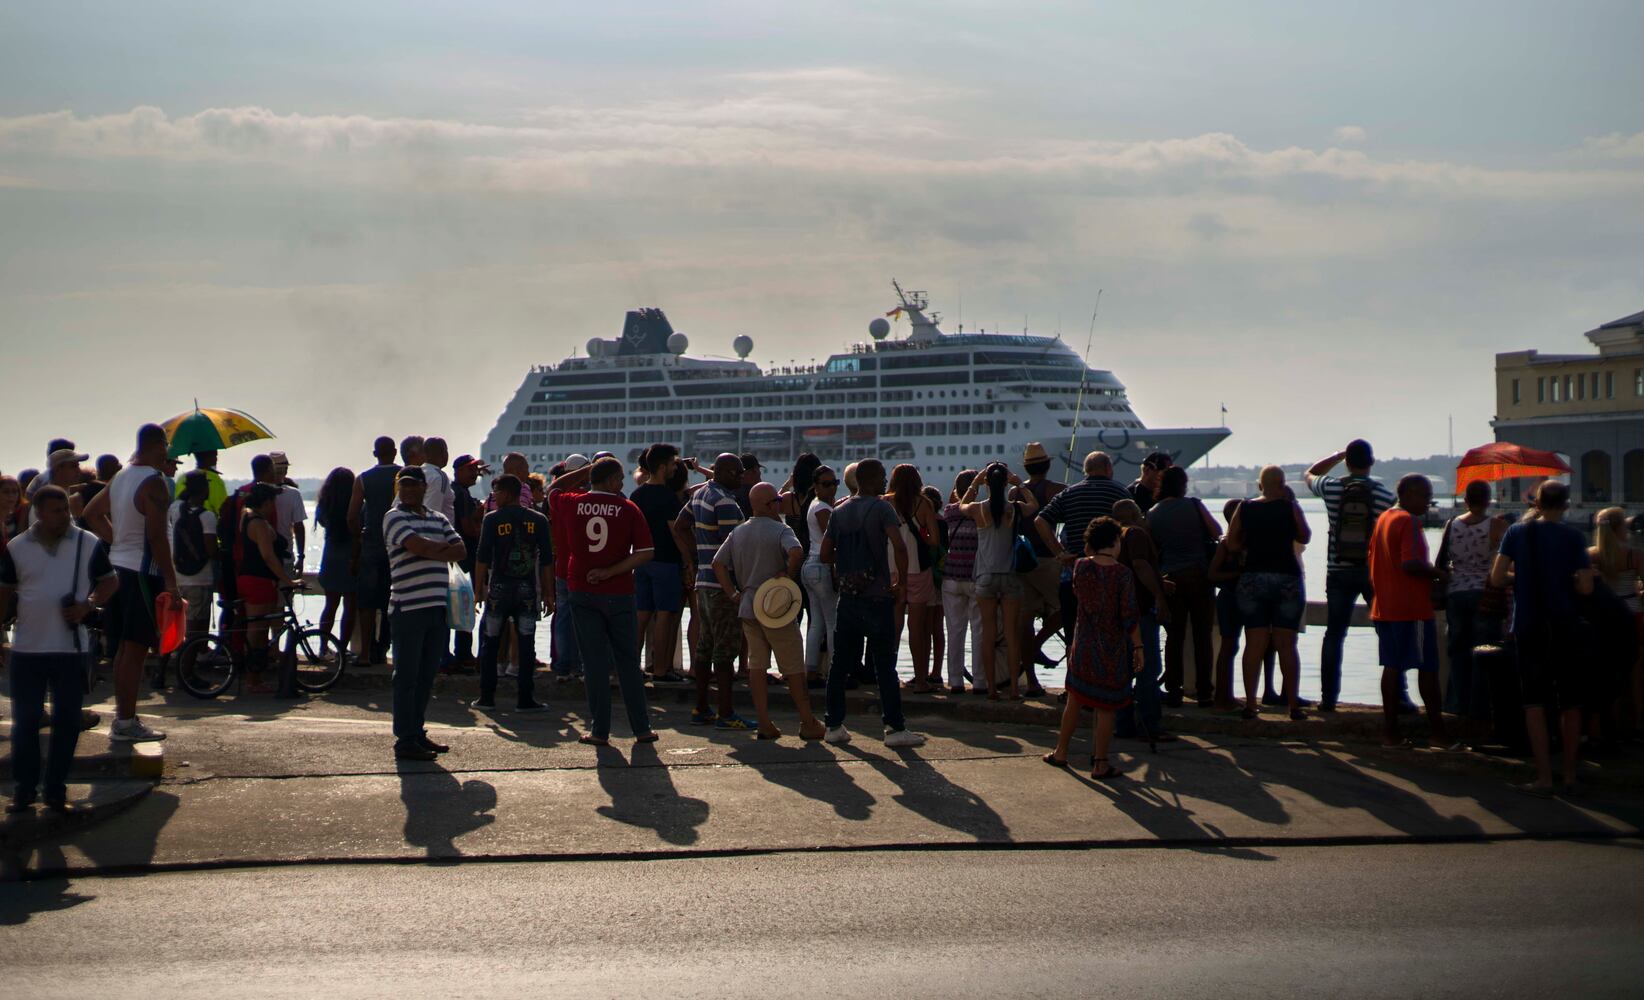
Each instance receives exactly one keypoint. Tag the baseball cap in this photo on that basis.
(575, 461)
(602, 454)
(63, 455)
(750, 461)
(413, 473)
(463, 460)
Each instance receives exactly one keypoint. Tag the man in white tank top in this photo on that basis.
(130, 515)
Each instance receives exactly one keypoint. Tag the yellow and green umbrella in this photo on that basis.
(212, 429)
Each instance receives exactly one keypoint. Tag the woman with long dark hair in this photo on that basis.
(336, 578)
(918, 590)
(998, 590)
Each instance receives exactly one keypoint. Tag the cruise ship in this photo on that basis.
(944, 402)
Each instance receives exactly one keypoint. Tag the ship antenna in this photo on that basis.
(1079, 400)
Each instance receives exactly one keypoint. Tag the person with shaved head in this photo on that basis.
(700, 529)
(759, 549)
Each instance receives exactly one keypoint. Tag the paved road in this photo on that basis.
(1519, 919)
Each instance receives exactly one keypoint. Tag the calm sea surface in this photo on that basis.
(1360, 674)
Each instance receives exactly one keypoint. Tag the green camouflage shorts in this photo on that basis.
(719, 636)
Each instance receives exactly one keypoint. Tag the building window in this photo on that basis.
(1515, 392)
(1580, 387)
(1541, 389)
(1558, 389)
(1594, 384)
(1609, 385)
(1638, 381)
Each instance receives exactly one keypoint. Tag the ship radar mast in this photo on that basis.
(914, 306)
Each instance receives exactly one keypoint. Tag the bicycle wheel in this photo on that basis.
(205, 666)
(319, 660)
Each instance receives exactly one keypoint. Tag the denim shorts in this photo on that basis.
(1271, 600)
(999, 586)
(659, 587)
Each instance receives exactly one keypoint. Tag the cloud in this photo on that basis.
(1615, 146)
(832, 126)
(1349, 133)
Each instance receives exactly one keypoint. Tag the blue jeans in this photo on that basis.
(1342, 590)
(608, 634)
(515, 599)
(419, 639)
(1145, 696)
(567, 655)
(1469, 692)
(32, 674)
(865, 625)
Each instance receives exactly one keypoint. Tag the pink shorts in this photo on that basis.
(921, 588)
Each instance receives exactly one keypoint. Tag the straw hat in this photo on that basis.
(1035, 452)
(777, 601)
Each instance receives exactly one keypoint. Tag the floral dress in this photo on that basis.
(1099, 666)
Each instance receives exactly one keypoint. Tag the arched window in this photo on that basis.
(1632, 476)
(1595, 477)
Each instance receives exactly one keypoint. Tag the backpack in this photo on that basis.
(188, 547)
(1355, 520)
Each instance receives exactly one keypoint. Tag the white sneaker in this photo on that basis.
(838, 736)
(132, 730)
(903, 738)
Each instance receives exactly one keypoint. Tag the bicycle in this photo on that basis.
(207, 665)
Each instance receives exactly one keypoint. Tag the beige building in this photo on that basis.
(1587, 407)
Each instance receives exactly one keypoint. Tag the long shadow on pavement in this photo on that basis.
(643, 794)
(928, 792)
(439, 808)
(1507, 803)
(792, 767)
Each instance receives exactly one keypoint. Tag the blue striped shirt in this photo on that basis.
(1078, 505)
(713, 514)
(416, 582)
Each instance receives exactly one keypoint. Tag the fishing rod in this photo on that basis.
(1079, 401)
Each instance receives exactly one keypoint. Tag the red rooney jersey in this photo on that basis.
(562, 542)
(600, 530)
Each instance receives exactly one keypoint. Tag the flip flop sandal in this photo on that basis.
(1111, 774)
(647, 738)
(1055, 761)
(594, 741)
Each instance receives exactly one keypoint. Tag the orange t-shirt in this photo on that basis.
(1399, 597)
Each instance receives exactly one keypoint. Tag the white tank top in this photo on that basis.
(130, 538)
(816, 531)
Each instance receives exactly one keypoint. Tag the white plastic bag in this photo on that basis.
(459, 600)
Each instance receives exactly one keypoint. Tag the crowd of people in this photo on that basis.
(823, 576)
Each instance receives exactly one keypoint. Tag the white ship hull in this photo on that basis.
(942, 402)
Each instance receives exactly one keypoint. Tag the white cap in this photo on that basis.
(575, 461)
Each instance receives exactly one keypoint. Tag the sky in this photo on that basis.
(364, 218)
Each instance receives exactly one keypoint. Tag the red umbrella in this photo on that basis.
(1502, 460)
